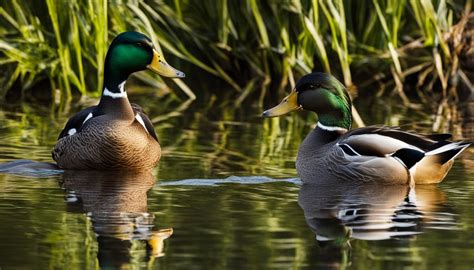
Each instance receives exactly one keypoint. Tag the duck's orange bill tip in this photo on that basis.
(287, 105)
(160, 66)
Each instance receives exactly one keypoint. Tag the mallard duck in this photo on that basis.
(115, 134)
(332, 151)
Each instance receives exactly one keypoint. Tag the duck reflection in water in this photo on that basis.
(116, 202)
(338, 213)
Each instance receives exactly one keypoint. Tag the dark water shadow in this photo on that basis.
(339, 213)
(116, 203)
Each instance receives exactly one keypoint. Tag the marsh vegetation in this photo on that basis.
(255, 49)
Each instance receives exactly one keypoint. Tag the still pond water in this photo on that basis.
(225, 196)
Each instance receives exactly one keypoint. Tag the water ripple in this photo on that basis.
(245, 180)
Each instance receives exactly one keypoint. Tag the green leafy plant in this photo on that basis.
(256, 48)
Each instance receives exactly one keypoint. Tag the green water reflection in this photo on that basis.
(87, 220)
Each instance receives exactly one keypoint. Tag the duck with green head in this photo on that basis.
(115, 134)
(333, 152)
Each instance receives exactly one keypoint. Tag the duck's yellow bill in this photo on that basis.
(160, 66)
(288, 104)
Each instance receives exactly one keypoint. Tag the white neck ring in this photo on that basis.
(121, 94)
(328, 128)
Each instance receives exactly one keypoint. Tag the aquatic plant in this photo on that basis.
(255, 47)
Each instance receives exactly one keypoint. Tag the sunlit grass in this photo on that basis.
(256, 47)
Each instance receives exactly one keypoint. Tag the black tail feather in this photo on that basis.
(408, 156)
(448, 155)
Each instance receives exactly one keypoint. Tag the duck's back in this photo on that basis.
(118, 144)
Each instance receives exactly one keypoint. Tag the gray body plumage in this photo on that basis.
(318, 161)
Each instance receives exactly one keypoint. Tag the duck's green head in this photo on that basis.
(320, 93)
(131, 52)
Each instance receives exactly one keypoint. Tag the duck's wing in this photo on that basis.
(383, 141)
(143, 119)
(75, 123)
(431, 152)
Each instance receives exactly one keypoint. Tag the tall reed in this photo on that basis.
(255, 47)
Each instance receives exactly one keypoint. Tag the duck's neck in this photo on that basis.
(114, 98)
(326, 134)
(332, 125)
(114, 75)
(337, 118)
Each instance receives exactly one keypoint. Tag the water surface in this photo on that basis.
(225, 195)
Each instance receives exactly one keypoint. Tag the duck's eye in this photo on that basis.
(139, 44)
(314, 86)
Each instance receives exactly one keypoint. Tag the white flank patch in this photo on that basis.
(121, 94)
(331, 128)
(89, 116)
(386, 141)
(72, 131)
(140, 120)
